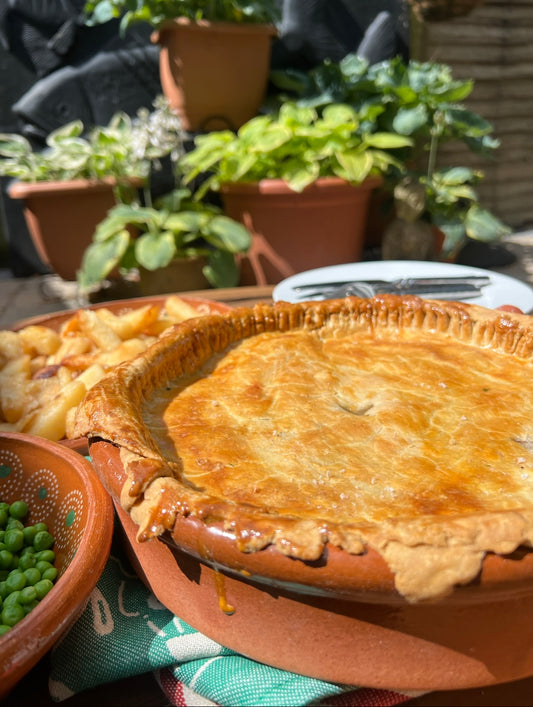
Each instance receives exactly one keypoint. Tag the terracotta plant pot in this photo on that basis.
(292, 232)
(214, 75)
(62, 217)
(181, 275)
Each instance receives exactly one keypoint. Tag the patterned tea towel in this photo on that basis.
(125, 631)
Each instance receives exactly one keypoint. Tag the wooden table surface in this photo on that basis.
(143, 690)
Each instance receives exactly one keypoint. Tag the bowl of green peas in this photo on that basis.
(56, 527)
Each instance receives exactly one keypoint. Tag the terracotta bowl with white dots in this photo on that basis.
(62, 490)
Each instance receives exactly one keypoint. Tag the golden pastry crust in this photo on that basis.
(400, 424)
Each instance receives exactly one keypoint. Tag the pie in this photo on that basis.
(393, 423)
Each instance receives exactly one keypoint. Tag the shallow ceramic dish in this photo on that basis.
(63, 491)
(118, 307)
(309, 613)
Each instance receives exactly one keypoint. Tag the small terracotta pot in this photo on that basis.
(215, 75)
(296, 231)
(62, 217)
(180, 275)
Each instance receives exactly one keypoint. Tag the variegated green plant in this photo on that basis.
(177, 227)
(297, 145)
(155, 12)
(126, 147)
(422, 101)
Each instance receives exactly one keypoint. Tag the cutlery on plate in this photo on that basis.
(402, 283)
(449, 291)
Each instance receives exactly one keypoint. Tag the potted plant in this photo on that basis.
(214, 56)
(178, 244)
(299, 181)
(423, 101)
(69, 187)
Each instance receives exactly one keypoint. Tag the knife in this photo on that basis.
(401, 283)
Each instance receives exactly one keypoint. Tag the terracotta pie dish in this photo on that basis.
(339, 488)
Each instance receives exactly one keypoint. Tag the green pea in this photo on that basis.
(42, 587)
(32, 575)
(16, 581)
(12, 614)
(19, 509)
(27, 595)
(12, 598)
(14, 540)
(43, 566)
(27, 571)
(50, 573)
(26, 561)
(6, 559)
(29, 534)
(43, 540)
(14, 524)
(45, 556)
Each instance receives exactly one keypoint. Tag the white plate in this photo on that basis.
(502, 289)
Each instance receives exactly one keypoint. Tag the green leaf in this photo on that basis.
(100, 258)
(291, 114)
(228, 235)
(71, 130)
(222, 270)
(454, 233)
(467, 122)
(455, 175)
(408, 120)
(299, 174)
(456, 91)
(289, 80)
(185, 221)
(353, 66)
(248, 132)
(13, 145)
(356, 164)
(155, 250)
(338, 114)
(483, 226)
(387, 141)
(274, 137)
